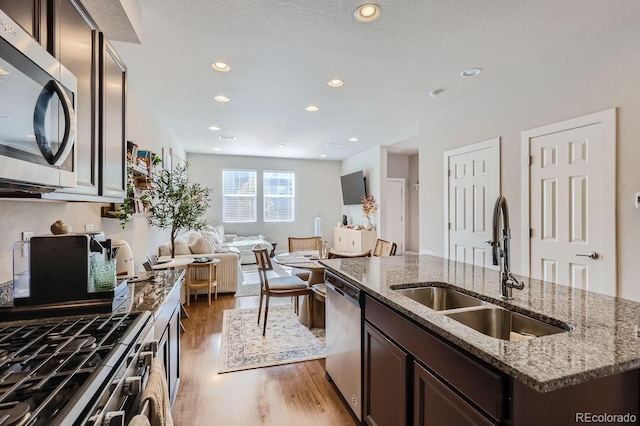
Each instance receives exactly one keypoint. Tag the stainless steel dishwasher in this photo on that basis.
(344, 339)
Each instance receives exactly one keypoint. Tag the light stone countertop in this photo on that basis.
(604, 339)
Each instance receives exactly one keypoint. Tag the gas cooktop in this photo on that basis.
(56, 370)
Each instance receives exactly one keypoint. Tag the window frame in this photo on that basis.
(254, 196)
(292, 197)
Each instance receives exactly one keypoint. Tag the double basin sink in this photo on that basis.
(481, 316)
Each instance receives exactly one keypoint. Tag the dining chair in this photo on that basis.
(345, 255)
(304, 244)
(384, 248)
(289, 286)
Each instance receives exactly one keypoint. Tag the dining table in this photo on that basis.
(308, 260)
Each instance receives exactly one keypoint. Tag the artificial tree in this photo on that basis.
(178, 204)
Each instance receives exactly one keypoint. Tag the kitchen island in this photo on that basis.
(592, 369)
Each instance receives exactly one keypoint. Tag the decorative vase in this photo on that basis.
(368, 226)
(344, 220)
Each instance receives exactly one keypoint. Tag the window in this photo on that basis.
(239, 196)
(279, 198)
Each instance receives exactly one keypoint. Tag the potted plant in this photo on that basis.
(178, 203)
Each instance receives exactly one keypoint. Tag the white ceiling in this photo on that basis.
(282, 53)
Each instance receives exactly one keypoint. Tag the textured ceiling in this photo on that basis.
(283, 52)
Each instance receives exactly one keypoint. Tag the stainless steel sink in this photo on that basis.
(504, 324)
(440, 298)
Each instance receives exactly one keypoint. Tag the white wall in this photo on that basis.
(146, 129)
(596, 77)
(318, 194)
(374, 164)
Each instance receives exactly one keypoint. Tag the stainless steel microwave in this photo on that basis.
(37, 115)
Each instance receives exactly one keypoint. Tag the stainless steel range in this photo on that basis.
(79, 370)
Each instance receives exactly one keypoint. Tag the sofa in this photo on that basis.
(204, 244)
(243, 244)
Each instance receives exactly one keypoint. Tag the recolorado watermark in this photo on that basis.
(606, 418)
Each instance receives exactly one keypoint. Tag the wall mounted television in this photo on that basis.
(353, 188)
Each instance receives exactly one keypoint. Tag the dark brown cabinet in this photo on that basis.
(434, 404)
(385, 380)
(453, 388)
(30, 15)
(445, 385)
(113, 87)
(76, 47)
(167, 331)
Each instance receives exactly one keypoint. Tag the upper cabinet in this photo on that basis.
(113, 89)
(75, 44)
(67, 31)
(30, 14)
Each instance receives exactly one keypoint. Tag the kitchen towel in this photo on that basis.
(157, 393)
(139, 420)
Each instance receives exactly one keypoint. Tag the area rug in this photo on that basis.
(243, 347)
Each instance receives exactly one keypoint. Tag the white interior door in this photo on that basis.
(395, 217)
(568, 225)
(472, 183)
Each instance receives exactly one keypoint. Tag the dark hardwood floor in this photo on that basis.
(291, 394)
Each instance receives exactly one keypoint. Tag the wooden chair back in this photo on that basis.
(304, 243)
(264, 264)
(384, 248)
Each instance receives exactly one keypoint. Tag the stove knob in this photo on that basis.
(114, 418)
(145, 359)
(132, 385)
(151, 345)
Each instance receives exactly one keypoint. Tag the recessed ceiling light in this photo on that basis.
(216, 149)
(31, 136)
(353, 139)
(281, 145)
(323, 155)
(333, 144)
(312, 108)
(226, 138)
(221, 66)
(214, 128)
(436, 93)
(336, 82)
(367, 12)
(221, 98)
(471, 72)
(4, 72)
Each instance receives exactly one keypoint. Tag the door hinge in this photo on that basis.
(449, 225)
(530, 159)
(449, 172)
(530, 232)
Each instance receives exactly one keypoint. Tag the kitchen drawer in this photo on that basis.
(481, 384)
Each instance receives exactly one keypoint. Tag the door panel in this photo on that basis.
(473, 184)
(566, 184)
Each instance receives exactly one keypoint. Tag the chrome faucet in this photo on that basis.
(500, 246)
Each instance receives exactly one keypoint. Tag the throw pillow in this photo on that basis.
(220, 231)
(213, 238)
(181, 248)
(201, 246)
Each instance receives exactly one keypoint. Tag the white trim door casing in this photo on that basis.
(395, 213)
(471, 185)
(569, 202)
